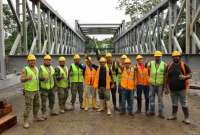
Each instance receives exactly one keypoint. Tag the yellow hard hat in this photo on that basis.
(102, 59)
(108, 55)
(61, 58)
(176, 53)
(76, 56)
(124, 56)
(139, 57)
(47, 57)
(88, 58)
(158, 54)
(127, 61)
(31, 57)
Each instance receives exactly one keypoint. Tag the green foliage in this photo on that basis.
(9, 27)
(136, 8)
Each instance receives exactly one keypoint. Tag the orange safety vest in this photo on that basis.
(182, 66)
(96, 80)
(89, 76)
(127, 81)
(142, 75)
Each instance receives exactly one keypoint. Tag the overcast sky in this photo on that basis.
(89, 11)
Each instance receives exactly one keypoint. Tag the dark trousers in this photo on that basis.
(120, 96)
(113, 92)
(142, 89)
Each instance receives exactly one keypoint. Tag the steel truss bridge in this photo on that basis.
(171, 25)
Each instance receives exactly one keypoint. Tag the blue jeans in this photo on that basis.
(156, 90)
(179, 96)
(142, 89)
(127, 96)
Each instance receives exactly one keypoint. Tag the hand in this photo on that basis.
(182, 77)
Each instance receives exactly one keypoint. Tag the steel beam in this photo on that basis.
(39, 27)
(2, 45)
(24, 27)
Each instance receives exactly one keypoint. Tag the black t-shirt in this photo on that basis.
(102, 76)
(174, 71)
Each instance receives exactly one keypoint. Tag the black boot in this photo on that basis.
(174, 113)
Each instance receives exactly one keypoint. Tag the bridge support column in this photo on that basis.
(24, 27)
(2, 45)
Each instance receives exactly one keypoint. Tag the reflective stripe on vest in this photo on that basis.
(157, 74)
(142, 75)
(32, 85)
(63, 83)
(49, 84)
(89, 75)
(96, 81)
(77, 74)
(127, 81)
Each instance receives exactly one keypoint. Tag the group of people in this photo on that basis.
(105, 80)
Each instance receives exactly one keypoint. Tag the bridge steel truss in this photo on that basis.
(171, 25)
(51, 33)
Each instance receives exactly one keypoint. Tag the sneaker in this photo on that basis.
(26, 125)
(44, 116)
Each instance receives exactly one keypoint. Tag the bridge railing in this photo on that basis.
(49, 31)
(171, 25)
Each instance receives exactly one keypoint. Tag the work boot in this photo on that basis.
(101, 106)
(150, 113)
(86, 103)
(53, 113)
(131, 113)
(160, 115)
(38, 119)
(81, 106)
(186, 121)
(108, 108)
(44, 116)
(94, 103)
(62, 111)
(116, 108)
(26, 124)
(186, 114)
(174, 113)
(72, 107)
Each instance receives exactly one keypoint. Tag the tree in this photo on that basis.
(136, 8)
(9, 27)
